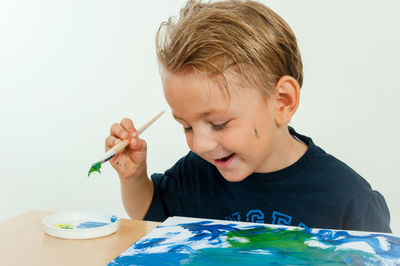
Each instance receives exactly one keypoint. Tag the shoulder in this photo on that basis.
(334, 171)
(360, 207)
(339, 182)
(329, 170)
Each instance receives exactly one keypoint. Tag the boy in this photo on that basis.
(232, 73)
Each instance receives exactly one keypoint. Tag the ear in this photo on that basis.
(287, 97)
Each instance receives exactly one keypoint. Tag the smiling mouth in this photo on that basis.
(225, 161)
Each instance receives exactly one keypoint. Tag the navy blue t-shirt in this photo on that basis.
(317, 191)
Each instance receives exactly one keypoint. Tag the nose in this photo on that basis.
(203, 142)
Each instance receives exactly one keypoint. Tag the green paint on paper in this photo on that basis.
(95, 168)
(292, 245)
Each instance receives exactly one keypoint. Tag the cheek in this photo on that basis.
(236, 139)
(189, 140)
(250, 139)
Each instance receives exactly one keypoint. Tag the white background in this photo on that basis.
(69, 69)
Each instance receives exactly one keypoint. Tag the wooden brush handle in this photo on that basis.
(120, 146)
(145, 126)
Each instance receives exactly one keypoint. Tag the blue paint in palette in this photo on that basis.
(87, 225)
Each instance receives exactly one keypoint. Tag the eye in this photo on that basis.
(219, 126)
(187, 129)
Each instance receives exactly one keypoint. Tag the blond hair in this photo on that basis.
(214, 36)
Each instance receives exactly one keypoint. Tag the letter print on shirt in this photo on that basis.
(234, 217)
(255, 216)
(280, 218)
(284, 219)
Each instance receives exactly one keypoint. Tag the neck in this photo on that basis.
(285, 152)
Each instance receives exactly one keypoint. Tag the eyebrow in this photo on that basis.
(199, 116)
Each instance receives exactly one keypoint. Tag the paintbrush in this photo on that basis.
(120, 146)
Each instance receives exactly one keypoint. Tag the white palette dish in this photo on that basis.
(80, 224)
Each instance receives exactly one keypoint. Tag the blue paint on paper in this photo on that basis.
(226, 243)
(149, 243)
(181, 249)
(87, 225)
(343, 237)
(152, 259)
(207, 229)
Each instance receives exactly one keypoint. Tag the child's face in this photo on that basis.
(236, 133)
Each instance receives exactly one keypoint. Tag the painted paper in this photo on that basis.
(190, 241)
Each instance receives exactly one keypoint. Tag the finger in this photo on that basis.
(127, 124)
(110, 142)
(137, 155)
(118, 131)
(137, 144)
(133, 143)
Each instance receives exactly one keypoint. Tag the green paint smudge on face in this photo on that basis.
(95, 168)
(256, 133)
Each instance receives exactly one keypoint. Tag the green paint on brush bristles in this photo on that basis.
(95, 168)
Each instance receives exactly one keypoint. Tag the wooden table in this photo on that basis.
(23, 242)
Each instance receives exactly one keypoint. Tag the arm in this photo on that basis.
(136, 188)
(137, 195)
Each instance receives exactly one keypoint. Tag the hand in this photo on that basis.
(131, 162)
